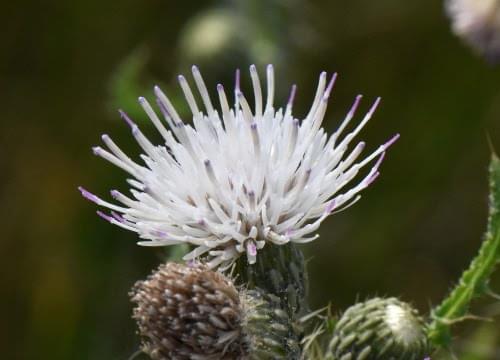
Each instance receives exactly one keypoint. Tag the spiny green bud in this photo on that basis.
(267, 327)
(191, 312)
(279, 270)
(379, 329)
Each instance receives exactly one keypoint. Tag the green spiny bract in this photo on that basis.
(279, 270)
(280, 273)
(379, 329)
(267, 331)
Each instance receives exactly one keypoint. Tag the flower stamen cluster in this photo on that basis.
(236, 179)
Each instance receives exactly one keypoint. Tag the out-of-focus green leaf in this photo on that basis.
(125, 84)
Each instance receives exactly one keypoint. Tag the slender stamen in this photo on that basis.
(188, 94)
(105, 216)
(291, 97)
(319, 94)
(247, 113)
(88, 195)
(257, 90)
(236, 88)
(210, 171)
(255, 139)
(98, 151)
(347, 119)
(167, 105)
(251, 197)
(202, 88)
(329, 88)
(153, 117)
(127, 119)
(226, 115)
(391, 141)
(330, 207)
(270, 87)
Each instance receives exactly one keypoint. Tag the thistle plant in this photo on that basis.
(242, 187)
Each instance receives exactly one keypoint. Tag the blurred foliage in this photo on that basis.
(66, 274)
(126, 83)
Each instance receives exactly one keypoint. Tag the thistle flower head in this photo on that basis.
(238, 178)
(478, 23)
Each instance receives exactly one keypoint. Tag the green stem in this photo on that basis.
(279, 270)
(474, 281)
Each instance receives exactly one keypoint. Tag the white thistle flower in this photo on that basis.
(478, 23)
(238, 179)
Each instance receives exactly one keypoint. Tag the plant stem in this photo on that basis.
(474, 281)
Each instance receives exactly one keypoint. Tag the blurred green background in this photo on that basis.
(65, 67)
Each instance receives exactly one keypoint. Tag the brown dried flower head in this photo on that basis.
(188, 312)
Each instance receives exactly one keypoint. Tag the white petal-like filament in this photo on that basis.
(231, 183)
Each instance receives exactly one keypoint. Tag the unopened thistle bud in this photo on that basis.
(191, 312)
(279, 270)
(267, 329)
(379, 329)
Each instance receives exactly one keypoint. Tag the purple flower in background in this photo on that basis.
(477, 22)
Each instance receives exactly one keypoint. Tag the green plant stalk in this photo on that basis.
(280, 272)
(474, 281)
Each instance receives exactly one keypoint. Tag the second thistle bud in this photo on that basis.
(191, 312)
(187, 313)
(379, 329)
